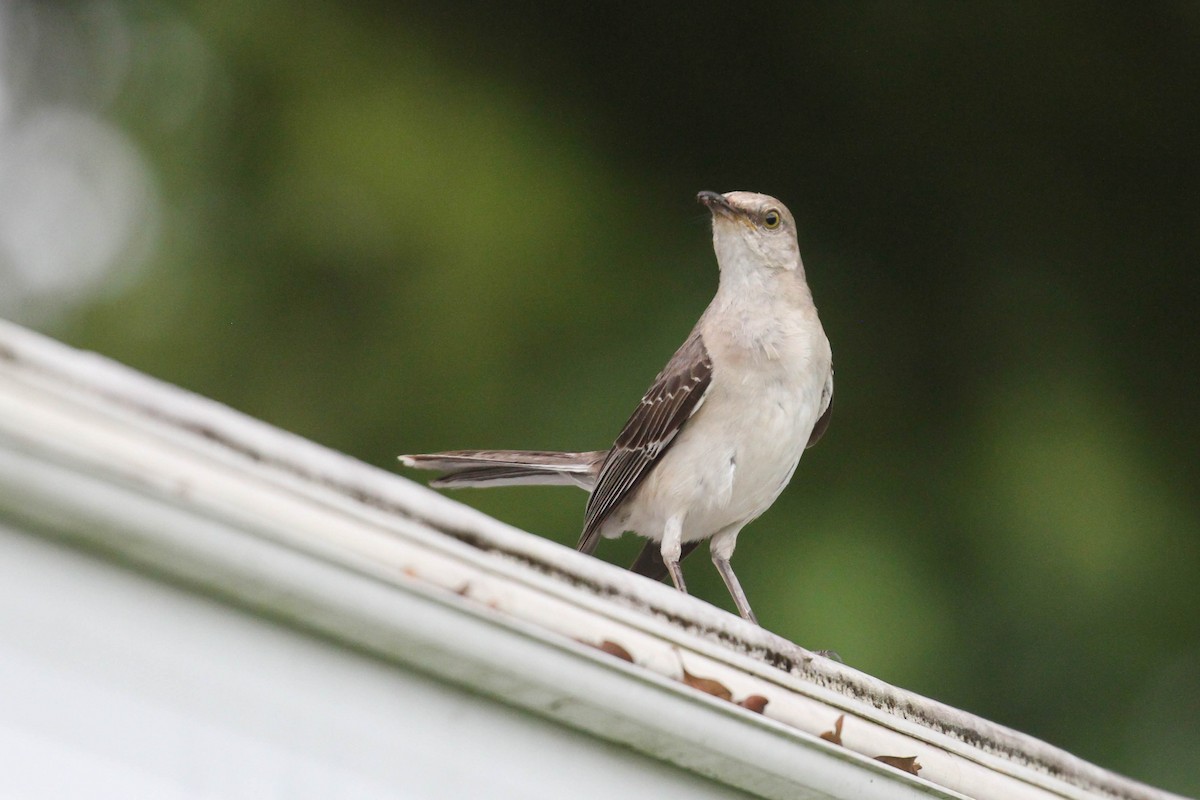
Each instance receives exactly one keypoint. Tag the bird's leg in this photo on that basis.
(735, 588)
(671, 550)
(722, 550)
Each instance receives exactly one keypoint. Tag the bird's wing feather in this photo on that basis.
(676, 394)
(822, 423)
(650, 561)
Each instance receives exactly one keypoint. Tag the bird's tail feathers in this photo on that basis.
(485, 468)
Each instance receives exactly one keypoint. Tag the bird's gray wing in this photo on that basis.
(822, 423)
(675, 395)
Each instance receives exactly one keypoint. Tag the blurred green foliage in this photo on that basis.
(405, 227)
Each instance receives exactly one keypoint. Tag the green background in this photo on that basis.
(407, 227)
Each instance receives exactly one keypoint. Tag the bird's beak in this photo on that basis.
(716, 203)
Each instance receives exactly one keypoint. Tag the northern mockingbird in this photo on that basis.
(720, 432)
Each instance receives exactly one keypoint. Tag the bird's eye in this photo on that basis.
(771, 219)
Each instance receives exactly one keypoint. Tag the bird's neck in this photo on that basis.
(743, 285)
(766, 315)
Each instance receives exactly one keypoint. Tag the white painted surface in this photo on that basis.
(113, 685)
(194, 604)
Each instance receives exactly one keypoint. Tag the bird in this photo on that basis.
(721, 430)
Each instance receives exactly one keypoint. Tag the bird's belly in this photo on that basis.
(726, 469)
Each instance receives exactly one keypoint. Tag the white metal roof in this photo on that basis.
(137, 472)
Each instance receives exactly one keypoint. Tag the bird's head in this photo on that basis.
(752, 231)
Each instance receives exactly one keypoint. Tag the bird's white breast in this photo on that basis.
(739, 450)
